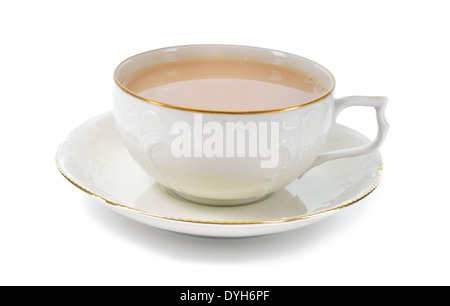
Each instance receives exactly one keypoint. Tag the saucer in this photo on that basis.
(93, 159)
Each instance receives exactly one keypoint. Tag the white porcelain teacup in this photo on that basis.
(225, 156)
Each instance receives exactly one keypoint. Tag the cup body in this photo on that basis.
(293, 137)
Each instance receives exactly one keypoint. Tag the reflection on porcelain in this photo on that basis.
(145, 129)
(94, 159)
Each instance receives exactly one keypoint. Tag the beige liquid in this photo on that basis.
(225, 85)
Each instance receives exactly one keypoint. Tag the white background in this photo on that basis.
(56, 64)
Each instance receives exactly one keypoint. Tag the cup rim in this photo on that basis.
(243, 112)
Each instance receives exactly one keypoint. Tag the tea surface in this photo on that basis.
(225, 85)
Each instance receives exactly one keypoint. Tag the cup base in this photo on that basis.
(216, 202)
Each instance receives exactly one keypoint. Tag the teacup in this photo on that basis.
(229, 153)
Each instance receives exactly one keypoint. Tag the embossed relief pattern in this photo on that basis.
(302, 134)
(146, 133)
(301, 139)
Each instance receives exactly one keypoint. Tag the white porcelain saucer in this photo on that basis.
(93, 159)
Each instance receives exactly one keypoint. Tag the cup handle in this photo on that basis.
(379, 103)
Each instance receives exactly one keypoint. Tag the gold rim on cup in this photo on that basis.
(276, 110)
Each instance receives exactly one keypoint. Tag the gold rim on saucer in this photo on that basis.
(280, 220)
